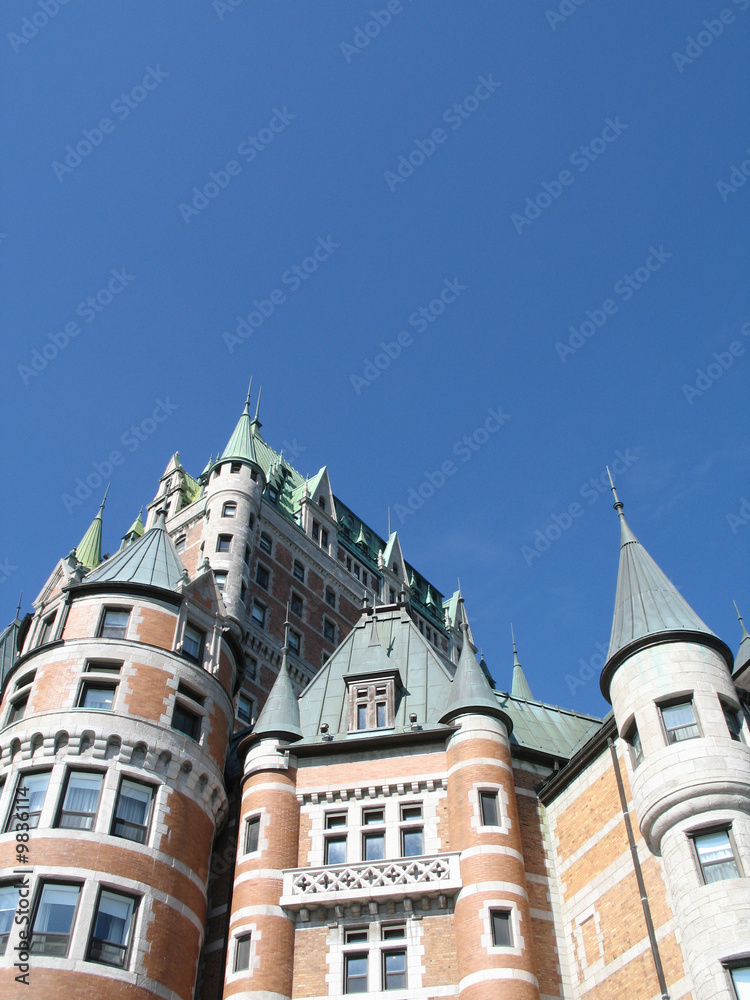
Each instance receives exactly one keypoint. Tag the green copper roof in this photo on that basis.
(89, 549)
(136, 528)
(646, 603)
(470, 691)
(547, 728)
(152, 561)
(241, 444)
(280, 714)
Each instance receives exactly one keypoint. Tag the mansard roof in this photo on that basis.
(151, 561)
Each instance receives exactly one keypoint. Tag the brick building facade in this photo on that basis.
(253, 754)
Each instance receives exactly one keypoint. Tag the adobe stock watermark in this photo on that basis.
(565, 10)
(248, 149)
(722, 362)
(582, 158)
(737, 521)
(379, 19)
(591, 491)
(588, 669)
(454, 116)
(88, 310)
(737, 178)
(224, 7)
(464, 449)
(131, 440)
(6, 570)
(710, 29)
(122, 106)
(420, 321)
(293, 279)
(625, 288)
(31, 26)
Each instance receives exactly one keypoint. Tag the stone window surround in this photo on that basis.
(108, 795)
(240, 929)
(375, 947)
(476, 807)
(485, 916)
(388, 679)
(713, 827)
(263, 832)
(678, 698)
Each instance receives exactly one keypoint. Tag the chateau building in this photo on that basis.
(253, 754)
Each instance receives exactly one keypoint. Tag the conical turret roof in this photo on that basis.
(89, 549)
(470, 690)
(520, 688)
(647, 604)
(280, 714)
(152, 561)
(241, 445)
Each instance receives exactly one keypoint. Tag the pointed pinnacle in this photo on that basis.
(257, 406)
(247, 401)
(20, 602)
(618, 505)
(739, 619)
(104, 498)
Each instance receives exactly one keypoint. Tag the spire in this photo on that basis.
(241, 445)
(134, 532)
(520, 688)
(647, 603)
(280, 714)
(742, 660)
(256, 424)
(471, 692)
(89, 549)
(152, 561)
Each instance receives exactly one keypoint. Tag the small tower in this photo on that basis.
(233, 496)
(669, 680)
(492, 916)
(260, 946)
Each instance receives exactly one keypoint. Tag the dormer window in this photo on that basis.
(372, 702)
(322, 503)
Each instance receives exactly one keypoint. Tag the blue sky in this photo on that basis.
(560, 190)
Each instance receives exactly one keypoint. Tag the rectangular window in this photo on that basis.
(262, 576)
(316, 530)
(103, 667)
(185, 721)
(242, 953)
(394, 970)
(335, 851)
(488, 805)
(392, 932)
(373, 844)
(324, 539)
(361, 716)
(679, 722)
(251, 666)
(273, 494)
(296, 604)
(229, 510)
(295, 641)
(331, 596)
(412, 837)
(334, 820)
(741, 982)
(734, 721)
(114, 624)
(244, 708)
(715, 856)
(133, 811)
(329, 631)
(18, 708)
(243, 591)
(355, 974)
(180, 544)
(259, 614)
(45, 630)
(298, 571)
(224, 543)
(636, 747)
(235, 467)
(221, 579)
(355, 934)
(110, 939)
(28, 801)
(391, 595)
(380, 715)
(247, 555)
(252, 833)
(54, 919)
(97, 696)
(8, 903)
(502, 936)
(265, 542)
(81, 800)
(192, 644)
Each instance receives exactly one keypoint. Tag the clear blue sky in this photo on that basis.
(305, 113)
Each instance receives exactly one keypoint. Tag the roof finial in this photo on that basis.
(618, 505)
(257, 407)
(515, 651)
(20, 601)
(104, 498)
(247, 401)
(739, 618)
(389, 522)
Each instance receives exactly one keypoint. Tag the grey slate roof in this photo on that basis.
(280, 714)
(646, 602)
(9, 648)
(152, 561)
(742, 659)
(547, 728)
(470, 689)
(520, 687)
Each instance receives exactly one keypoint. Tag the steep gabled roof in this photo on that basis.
(152, 561)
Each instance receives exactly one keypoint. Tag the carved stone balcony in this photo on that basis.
(433, 875)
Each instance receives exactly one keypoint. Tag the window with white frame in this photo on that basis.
(374, 958)
(502, 928)
(412, 830)
(489, 807)
(334, 852)
(133, 811)
(252, 834)
(679, 721)
(114, 623)
(242, 953)
(80, 801)
(373, 835)
(97, 696)
(192, 643)
(54, 919)
(28, 801)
